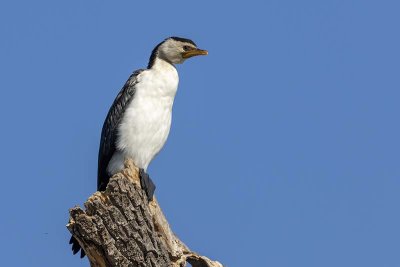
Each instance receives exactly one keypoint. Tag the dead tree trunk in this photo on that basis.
(121, 228)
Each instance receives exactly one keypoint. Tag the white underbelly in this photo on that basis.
(144, 131)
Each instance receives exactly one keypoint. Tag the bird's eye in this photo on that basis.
(187, 48)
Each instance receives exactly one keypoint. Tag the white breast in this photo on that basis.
(147, 120)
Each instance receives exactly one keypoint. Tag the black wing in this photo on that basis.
(109, 133)
(108, 138)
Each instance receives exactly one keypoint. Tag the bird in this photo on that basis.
(139, 120)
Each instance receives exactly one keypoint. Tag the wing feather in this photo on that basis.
(110, 128)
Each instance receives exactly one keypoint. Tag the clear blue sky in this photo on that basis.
(285, 138)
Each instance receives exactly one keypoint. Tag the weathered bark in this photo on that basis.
(121, 228)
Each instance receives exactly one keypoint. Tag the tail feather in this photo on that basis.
(76, 247)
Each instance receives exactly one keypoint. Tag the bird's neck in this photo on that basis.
(162, 65)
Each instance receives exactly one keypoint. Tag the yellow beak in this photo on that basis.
(195, 52)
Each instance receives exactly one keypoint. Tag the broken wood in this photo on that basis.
(121, 228)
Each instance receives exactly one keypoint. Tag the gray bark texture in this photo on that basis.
(121, 228)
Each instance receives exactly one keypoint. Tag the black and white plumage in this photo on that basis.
(138, 122)
(109, 132)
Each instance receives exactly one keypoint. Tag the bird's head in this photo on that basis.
(176, 50)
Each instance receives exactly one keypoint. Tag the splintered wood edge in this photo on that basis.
(131, 172)
(197, 260)
(96, 259)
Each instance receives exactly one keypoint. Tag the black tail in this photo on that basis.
(76, 247)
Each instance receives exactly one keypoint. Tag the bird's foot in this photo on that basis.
(147, 184)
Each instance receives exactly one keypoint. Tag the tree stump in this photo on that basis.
(120, 227)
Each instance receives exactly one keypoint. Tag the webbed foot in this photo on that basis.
(147, 184)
